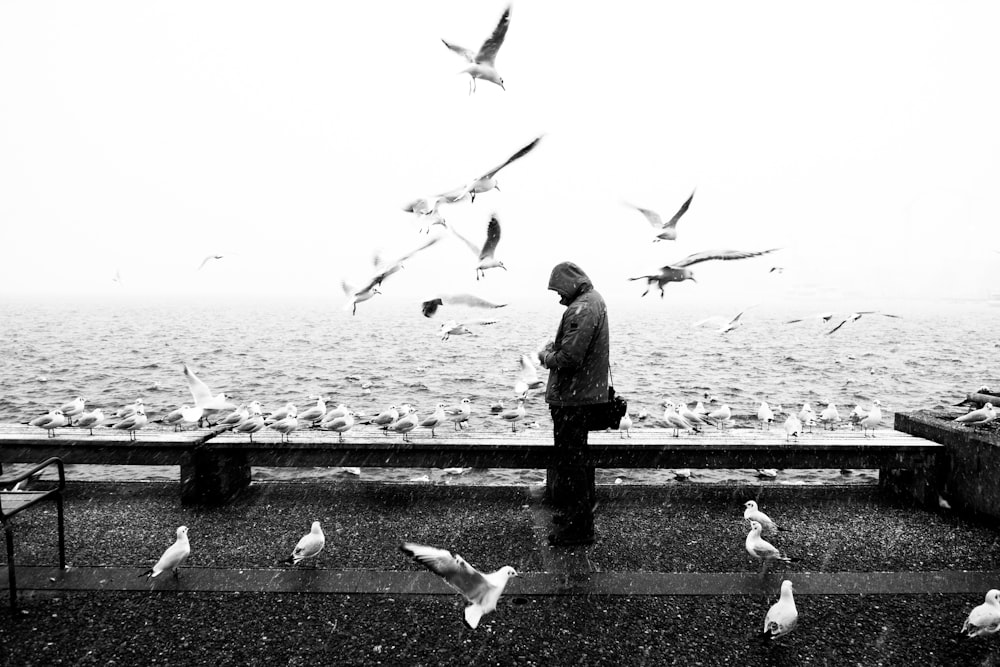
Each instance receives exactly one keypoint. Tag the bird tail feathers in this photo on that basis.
(473, 613)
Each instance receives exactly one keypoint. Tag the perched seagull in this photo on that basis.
(857, 415)
(340, 424)
(251, 425)
(309, 545)
(314, 413)
(830, 415)
(286, 426)
(854, 317)
(50, 422)
(692, 415)
(678, 271)
(984, 619)
(807, 416)
(459, 414)
(721, 415)
(205, 261)
(481, 590)
(782, 617)
(133, 423)
(406, 423)
(281, 413)
(765, 415)
(89, 420)
(172, 558)
(751, 513)
(625, 425)
(182, 416)
(386, 417)
(674, 419)
(486, 254)
(453, 328)
(430, 307)
(667, 231)
(514, 415)
(335, 413)
(482, 64)
(203, 395)
(527, 377)
(129, 410)
(74, 407)
(435, 420)
(237, 416)
(978, 417)
(873, 419)
(763, 550)
(793, 427)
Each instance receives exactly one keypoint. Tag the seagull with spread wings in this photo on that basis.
(855, 316)
(430, 307)
(488, 181)
(667, 231)
(482, 63)
(679, 271)
(481, 590)
(203, 395)
(455, 328)
(382, 271)
(487, 260)
(207, 258)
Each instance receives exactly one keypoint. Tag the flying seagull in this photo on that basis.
(205, 261)
(430, 307)
(679, 271)
(202, 395)
(382, 271)
(667, 230)
(488, 181)
(486, 254)
(481, 590)
(455, 328)
(855, 316)
(482, 64)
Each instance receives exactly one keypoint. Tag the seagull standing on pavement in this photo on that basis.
(308, 546)
(984, 619)
(782, 617)
(172, 558)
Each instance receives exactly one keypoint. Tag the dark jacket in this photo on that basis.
(578, 360)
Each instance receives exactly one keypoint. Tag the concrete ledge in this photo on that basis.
(371, 582)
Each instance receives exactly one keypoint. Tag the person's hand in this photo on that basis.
(543, 352)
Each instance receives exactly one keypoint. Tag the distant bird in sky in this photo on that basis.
(782, 617)
(855, 316)
(725, 326)
(117, 278)
(488, 181)
(481, 590)
(430, 307)
(984, 619)
(482, 63)
(205, 261)
(825, 317)
(382, 271)
(486, 254)
(173, 557)
(308, 546)
(667, 231)
(777, 269)
(679, 271)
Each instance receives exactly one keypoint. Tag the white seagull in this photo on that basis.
(872, 420)
(514, 415)
(782, 617)
(482, 64)
(172, 558)
(625, 425)
(455, 328)
(89, 420)
(983, 415)
(765, 415)
(206, 260)
(314, 413)
(486, 254)
(984, 619)
(855, 316)
(203, 395)
(830, 415)
(751, 513)
(481, 590)
(251, 425)
(459, 414)
(721, 416)
(488, 181)
(666, 231)
(763, 550)
(793, 427)
(341, 425)
(430, 307)
(527, 377)
(308, 546)
(406, 423)
(74, 407)
(435, 420)
(679, 271)
(807, 416)
(383, 270)
(133, 423)
(50, 422)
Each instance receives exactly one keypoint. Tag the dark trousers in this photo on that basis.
(570, 484)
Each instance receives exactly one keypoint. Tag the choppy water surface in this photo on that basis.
(279, 353)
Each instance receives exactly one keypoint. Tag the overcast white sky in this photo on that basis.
(861, 137)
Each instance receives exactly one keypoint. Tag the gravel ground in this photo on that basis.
(657, 529)
(302, 629)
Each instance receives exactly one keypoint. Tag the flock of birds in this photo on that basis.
(483, 590)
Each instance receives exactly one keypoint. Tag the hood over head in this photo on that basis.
(569, 281)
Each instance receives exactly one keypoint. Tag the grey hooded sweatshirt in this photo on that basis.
(578, 362)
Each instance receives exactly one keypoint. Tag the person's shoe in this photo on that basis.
(568, 539)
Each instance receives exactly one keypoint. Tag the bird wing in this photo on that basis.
(472, 246)
(652, 217)
(488, 51)
(429, 308)
(720, 254)
(199, 390)
(470, 300)
(461, 576)
(842, 323)
(492, 238)
(468, 54)
(681, 211)
(519, 154)
(528, 371)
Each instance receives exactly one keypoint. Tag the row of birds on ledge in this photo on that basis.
(483, 590)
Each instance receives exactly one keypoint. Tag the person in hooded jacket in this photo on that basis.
(578, 380)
